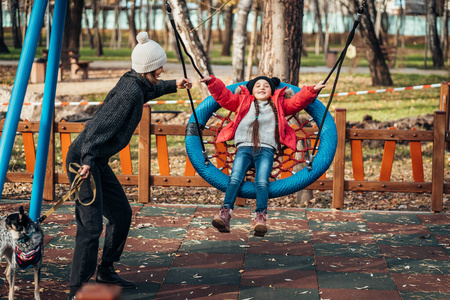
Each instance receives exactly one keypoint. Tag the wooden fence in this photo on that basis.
(338, 184)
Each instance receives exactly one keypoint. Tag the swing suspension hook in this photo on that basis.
(180, 41)
(337, 65)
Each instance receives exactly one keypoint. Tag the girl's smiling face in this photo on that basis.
(262, 90)
(158, 72)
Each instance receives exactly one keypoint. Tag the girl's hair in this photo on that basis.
(150, 76)
(255, 127)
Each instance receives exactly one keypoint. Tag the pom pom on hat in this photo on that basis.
(274, 82)
(148, 55)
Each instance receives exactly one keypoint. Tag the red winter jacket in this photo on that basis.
(240, 104)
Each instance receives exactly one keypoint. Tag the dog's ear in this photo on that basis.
(21, 213)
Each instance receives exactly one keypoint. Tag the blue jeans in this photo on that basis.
(245, 158)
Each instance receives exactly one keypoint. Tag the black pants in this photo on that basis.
(110, 202)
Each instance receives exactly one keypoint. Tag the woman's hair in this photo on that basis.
(255, 127)
(150, 76)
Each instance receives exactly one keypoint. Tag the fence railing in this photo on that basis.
(338, 184)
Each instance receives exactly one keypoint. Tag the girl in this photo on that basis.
(108, 132)
(258, 129)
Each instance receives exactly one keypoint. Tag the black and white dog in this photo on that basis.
(21, 243)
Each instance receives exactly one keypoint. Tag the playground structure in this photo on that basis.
(335, 181)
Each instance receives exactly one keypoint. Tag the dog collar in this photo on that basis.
(27, 259)
(21, 240)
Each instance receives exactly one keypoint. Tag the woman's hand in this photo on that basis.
(84, 171)
(184, 83)
(319, 86)
(205, 79)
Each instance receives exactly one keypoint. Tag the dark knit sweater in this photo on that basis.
(113, 124)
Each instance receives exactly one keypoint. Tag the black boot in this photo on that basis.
(109, 275)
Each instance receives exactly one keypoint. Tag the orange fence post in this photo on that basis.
(29, 149)
(49, 184)
(220, 160)
(357, 159)
(313, 142)
(189, 170)
(437, 173)
(163, 155)
(288, 164)
(125, 160)
(144, 168)
(388, 159)
(339, 160)
(65, 144)
(444, 105)
(416, 160)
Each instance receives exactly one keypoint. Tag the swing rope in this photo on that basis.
(180, 41)
(337, 65)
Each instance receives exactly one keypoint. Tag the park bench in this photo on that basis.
(389, 54)
(70, 60)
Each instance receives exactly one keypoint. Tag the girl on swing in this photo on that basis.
(258, 129)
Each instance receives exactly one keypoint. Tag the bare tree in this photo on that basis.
(294, 37)
(88, 29)
(15, 23)
(228, 33)
(320, 36)
(445, 38)
(190, 39)
(435, 47)
(116, 37)
(240, 39)
(97, 36)
(281, 63)
(132, 32)
(72, 28)
(253, 42)
(379, 70)
(3, 47)
(266, 62)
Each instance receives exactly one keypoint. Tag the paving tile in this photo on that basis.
(158, 221)
(347, 250)
(406, 295)
(335, 216)
(286, 236)
(211, 212)
(266, 247)
(214, 276)
(405, 239)
(345, 294)
(25, 290)
(343, 237)
(169, 210)
(415, 252)
(398, 228)
(268, 293)
(338, 226)
(58, 256)
(208, 246)
(50, 271)
(270, 261)
(418, 266)
(209, 260)
(53, 229)
(422, 282)
(145, 259)
(202, 292)
(442, 219)
(212, 234)
(59, 218)
(351, 264)
(439, 229)
(62, 242)
(158, 232)
(280, 278)
(294, 214)
(392, 217)
(152, 245)
(142, 291)
(66, 208)
(355, 281)
(142, 274)
(201, 222)
(286, 224)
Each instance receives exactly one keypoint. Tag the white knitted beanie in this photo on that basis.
(148, 55)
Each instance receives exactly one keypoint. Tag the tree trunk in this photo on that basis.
(379, 71)
(435, 47)
(132, 33)
(17, 37)
(240, 39)
(445, 39)
(88, 30)
(228, 33)
(294, 36)
(72, 28)
(253, 43)
(266, 63)
(97, 37)
(281, 62)
(116, 37)
(3, 47)
(191, 40)
(320, 35)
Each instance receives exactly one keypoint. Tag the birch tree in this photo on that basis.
(240, 39)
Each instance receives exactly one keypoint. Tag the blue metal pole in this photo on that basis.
(48, 105)
(20, 86)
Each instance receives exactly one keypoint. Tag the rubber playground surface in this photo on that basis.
(173, 252)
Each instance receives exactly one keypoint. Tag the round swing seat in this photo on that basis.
(278, 188)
